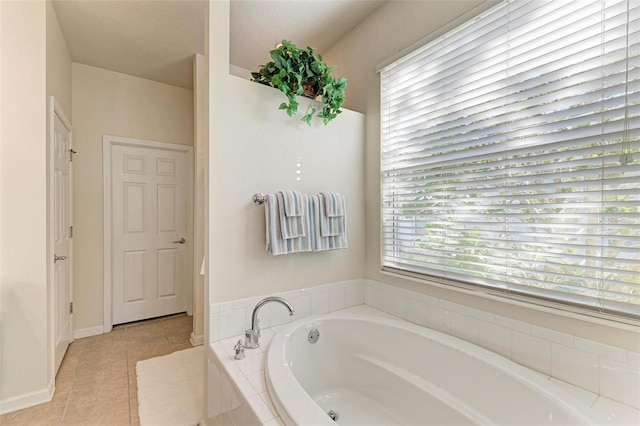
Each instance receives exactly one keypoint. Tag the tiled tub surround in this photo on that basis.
(237, 389)
(605, 377)
(229, 319)
(598, 368)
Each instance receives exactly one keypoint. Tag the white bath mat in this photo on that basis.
(170, 389)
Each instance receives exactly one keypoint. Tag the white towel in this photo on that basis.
(334, 224)
(276, 245)
(323, 243)
(292, 226)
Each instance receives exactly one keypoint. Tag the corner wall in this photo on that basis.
(23, 191)
(254, 147)
(357, 56)
(107, 102)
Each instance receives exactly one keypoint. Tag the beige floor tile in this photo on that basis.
(108, 373)
(142, 351)
(96, 360)
(10, 419)
(75, 348)
(93, 339)
(66, 373)
(180, 323)
(96, 383)
(118, 335)
(145, 333)
(103, 345)
(181, 346)
(99, 393)
(179, 336)
(43, 414)
(91, 372)
(70, 361)
(63, 386)
(133, 382)
(108, 413)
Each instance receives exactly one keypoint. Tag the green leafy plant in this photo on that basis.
(298, 72)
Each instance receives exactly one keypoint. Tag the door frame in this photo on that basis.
(56, 109)
(108, 141)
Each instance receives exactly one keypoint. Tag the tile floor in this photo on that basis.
(96, 383)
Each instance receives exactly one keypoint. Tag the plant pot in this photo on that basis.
(309, 90)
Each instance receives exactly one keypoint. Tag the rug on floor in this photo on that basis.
(170, 389)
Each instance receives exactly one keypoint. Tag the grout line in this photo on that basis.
(66, 406)
(126, 340)
(73, 382)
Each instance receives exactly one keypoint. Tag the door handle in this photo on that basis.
(56, 258)
(180, 241)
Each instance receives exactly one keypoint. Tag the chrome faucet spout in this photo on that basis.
(252, 335)
(254, 316)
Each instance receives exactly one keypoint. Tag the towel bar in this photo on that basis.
(259, 198)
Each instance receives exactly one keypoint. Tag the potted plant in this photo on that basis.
(297, 72)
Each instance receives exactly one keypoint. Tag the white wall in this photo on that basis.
(58, 63)
(23, 270)
(201, 142)
(106, 102)
(254, 147)
(389, 30)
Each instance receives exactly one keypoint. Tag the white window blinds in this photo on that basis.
(510, 154)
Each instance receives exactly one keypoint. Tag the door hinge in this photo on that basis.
(71, 152)
(71, 307)
(71, 232)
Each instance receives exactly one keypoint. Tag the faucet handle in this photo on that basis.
(239, 348)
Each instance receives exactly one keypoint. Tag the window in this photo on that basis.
(510, 156)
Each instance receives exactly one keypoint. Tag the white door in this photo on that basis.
(62, 232)
(149, 215)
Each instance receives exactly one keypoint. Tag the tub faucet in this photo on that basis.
(239, 348)
(252, 335)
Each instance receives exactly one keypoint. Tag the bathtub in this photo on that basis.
(366, 370)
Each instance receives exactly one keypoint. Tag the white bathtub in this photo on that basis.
(379, 371)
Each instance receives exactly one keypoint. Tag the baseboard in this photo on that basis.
(27, 400)
(196, 340)
(86, 332)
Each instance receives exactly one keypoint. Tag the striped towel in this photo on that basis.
(276, 245)
(333, 204)
(333, 224)
(319, 242)
(293, 203)
(292, 226)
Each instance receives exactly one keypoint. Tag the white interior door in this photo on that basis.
(149, 215)
(62, 232)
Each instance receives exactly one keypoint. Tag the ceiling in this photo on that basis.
(156, 39)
